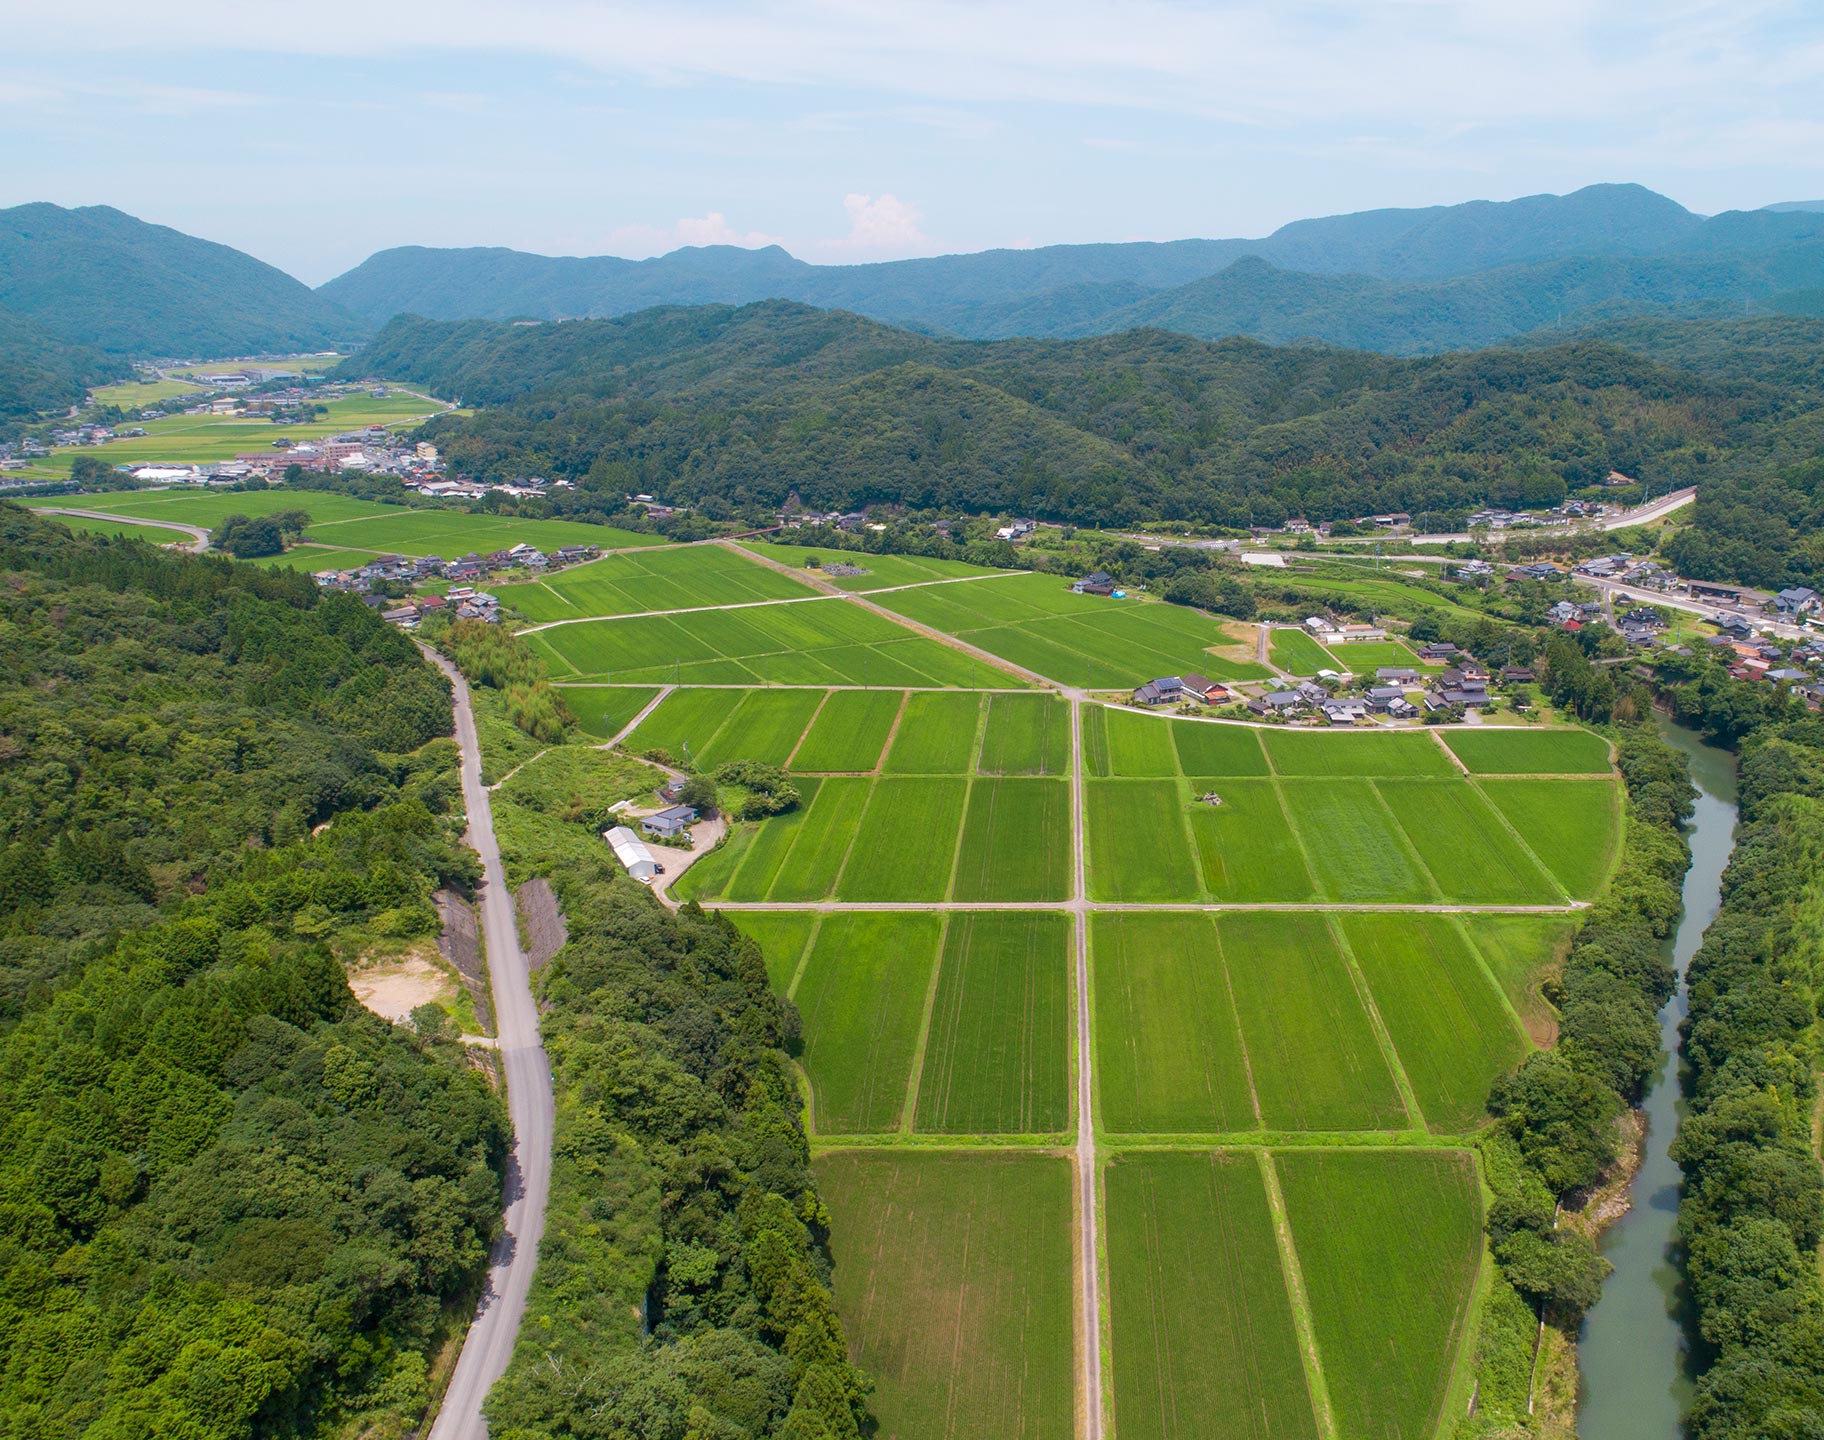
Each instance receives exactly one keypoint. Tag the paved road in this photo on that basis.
(199, 537)
(489, 1345)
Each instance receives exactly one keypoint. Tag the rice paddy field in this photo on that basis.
(1095, 641)
(1205, 1345)
(1295, 652)
(1511, 751)
(882, 571)
(953, 1280)
(670, 577)
(1291, 1043)
(996, 1058)
(341, 522)
(818, 642)
(1388, 1245)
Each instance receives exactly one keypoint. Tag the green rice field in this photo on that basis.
(997, 1054)
(1559, 751)
(1296, 653)
(1016, 841)
(849, 733)
(953, 1280)
(1035, 622)
(1205, 1347)
(862, 996)
(781, 936)
(819, 642)
(1449, 1022)
(1341, 753)
(1518, 950)
(1573, 826)
(882, 570)
(341, 522)
(1316, 1061)
(1169, 1055)
(603, 710)
(1355, 847)
(672, 577)
(937, 734)
(1388, 1243)
(1469, 851)
(905, 847)
(1364, 657)
(1025, 735)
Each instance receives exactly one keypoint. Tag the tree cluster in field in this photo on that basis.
(1751, 1215)
(497, 658)
(1556, 1115)
(746, 409)
(683, 1286)
(249, 538)
(769, 788)
(232, 1202)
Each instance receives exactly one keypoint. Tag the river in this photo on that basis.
(1634, 1384)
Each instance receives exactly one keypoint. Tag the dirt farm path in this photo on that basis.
(1089, 1280)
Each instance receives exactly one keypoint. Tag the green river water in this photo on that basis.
(1631, 1354)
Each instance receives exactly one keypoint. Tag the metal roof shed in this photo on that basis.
(631, 851)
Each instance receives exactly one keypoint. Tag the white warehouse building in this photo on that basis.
(631, 851)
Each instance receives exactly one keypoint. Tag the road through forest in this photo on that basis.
(489, 1345)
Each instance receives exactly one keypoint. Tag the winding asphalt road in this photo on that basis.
(199, 537)
(489, 1345)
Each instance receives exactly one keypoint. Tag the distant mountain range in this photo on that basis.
(1404, 282)
(100, 278)
(1400, 281)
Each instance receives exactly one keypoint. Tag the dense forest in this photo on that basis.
(39, 372)
(97, 277)
(1751, 1216)
(232, 1202)
(748, 407)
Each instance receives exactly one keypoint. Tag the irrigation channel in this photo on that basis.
(1631, 1356)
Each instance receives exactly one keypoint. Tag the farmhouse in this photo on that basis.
(1396, 675)
(1347, 634)
(1344, 711)
(1167, 690)
(668, 823)
(1279, 702)
(1097, 582)
(631, 851)
(1201, 687)
(1799, 600)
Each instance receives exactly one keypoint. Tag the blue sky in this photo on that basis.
(314, 135)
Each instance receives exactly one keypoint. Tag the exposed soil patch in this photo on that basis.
(541, 923)
(459, 943)
(1608, 1202)
(394, 987)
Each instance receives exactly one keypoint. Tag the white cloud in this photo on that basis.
(880, 227)
(638, 241)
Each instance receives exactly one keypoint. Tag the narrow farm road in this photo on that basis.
(1089, 1281)
(489, 1345)
(199, 537)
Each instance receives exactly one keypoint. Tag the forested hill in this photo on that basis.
(1403, 281)
(95, 276)
(39, 372)
(232, 1202)
(739, 406)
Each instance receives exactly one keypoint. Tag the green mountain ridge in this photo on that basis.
(41, 373)
(97, 277)
(747, 406)
(1400, 281)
